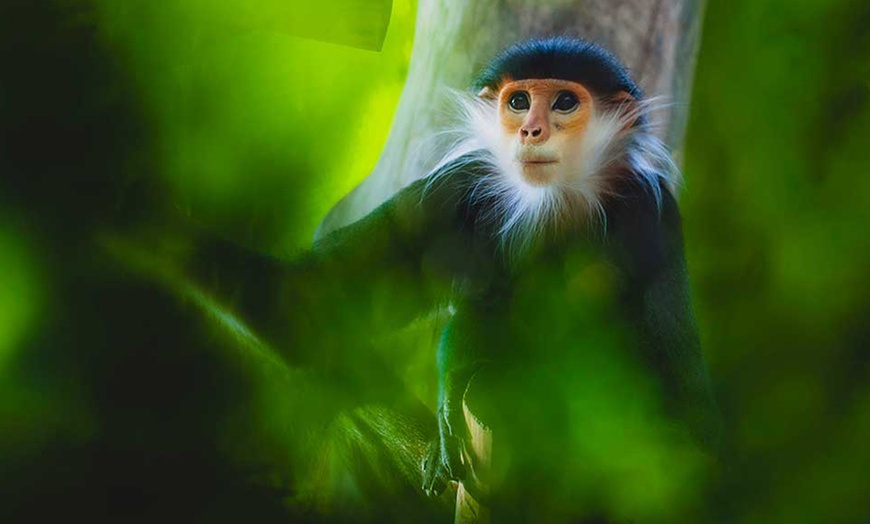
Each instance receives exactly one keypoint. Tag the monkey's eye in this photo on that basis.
(519, 101)
(566, 102)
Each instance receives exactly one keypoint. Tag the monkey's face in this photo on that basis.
(553, 149)
(544, 122)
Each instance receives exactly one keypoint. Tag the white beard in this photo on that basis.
(523, 213)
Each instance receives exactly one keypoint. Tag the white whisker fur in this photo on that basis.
(523, 212)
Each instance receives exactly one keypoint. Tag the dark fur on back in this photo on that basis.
(563, 58)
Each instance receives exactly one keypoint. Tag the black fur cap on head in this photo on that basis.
(562, 58)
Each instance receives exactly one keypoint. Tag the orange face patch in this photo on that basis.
(541, 108)
(543, 122)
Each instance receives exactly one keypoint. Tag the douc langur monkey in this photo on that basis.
(550, 229)
(556, 152)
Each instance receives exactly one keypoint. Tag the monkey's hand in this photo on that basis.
(445, 458)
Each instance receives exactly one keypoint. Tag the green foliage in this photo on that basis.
(260, 131)
(775, 218)
(19, 284)
(123, 382)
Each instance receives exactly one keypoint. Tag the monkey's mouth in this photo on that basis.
(538, 171)
(536, 158)
(538, 162)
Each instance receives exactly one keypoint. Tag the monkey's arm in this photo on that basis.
(671, 338)
(652, 255)
(371, 276)
(470, 340)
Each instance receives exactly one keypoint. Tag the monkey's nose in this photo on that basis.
(532, 134)
(535, 127)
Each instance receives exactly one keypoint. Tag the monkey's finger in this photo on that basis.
(427, 481)
(426, 462)
(439, 484)
(455, 470)
(433, 483)
(452, 458)
(429, 457)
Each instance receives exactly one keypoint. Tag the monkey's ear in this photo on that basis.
(627, 107)
(488, 93)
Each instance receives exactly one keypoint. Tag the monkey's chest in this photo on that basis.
(555, 306)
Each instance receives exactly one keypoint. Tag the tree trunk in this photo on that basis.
(455, 39)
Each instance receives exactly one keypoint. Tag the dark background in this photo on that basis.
(119, 400)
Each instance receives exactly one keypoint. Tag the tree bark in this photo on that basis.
(656, 39)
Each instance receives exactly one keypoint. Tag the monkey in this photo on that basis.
(557, 149)
(549, 226)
